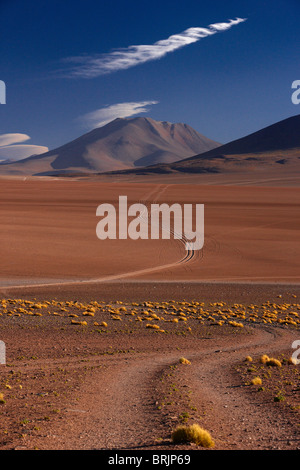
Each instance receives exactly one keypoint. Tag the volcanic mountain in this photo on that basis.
(120, 144)
(274, 149)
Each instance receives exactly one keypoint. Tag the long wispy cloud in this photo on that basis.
(102, 116)
(121, 59)
(11, 149)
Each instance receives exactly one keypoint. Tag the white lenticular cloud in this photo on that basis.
(7, 139)
(10, 149)
(121, 59)
(103, 116)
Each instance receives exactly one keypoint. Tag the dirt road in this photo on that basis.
(118, 405)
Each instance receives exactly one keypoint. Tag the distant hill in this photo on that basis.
(6, 160)
(119, 145)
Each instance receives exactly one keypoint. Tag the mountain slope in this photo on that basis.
(273, 148)
(282, 135)
(121, 144)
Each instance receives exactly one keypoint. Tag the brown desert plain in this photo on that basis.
(113, 344)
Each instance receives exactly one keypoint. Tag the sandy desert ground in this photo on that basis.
(74, 382)
(48, 234)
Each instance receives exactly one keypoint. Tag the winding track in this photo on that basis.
(117, 406)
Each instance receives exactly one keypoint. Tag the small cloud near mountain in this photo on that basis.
(12, 150)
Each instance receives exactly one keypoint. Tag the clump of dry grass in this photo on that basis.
(88, 314)
(273, 362)
(2, 401)
(154, 327)
(183, 360)
(270, 361)
(82, 323)
(193, 433)
(236, 324)
(264, 359)
(248, 359)
(256, 381)
(116, 317)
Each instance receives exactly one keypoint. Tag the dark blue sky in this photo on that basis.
(225, 85)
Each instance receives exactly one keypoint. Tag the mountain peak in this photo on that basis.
(120, 144)
(273, 150)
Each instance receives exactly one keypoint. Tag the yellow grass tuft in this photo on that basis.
(256, 381)
(273, 362)
(82, 323)
(88, 314)
(248, 359)
(183, 360)
(236, 324)
(193, 433)
(264, 359)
